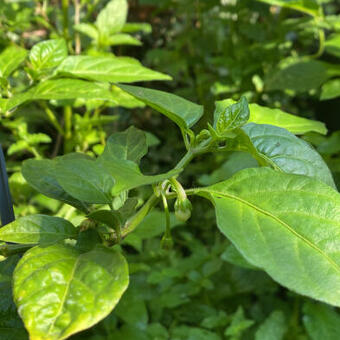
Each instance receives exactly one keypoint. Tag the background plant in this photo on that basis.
(189, 305)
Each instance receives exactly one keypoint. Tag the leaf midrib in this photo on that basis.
(284, 224)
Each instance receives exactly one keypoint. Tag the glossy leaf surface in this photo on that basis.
(85, 180)
(60, 291)
(41, 175)
(48, 54)
(183, 112)
(287, 153)
(10, 59)
(112, 18)
(330, 89)
(38, 228)
(287, 225)
(107, 69)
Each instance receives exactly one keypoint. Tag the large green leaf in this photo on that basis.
(121, 154)
(41, 175)
(48, 54)
(128, 145)
(310, 7)
(330, 90)
(60, 291)
(107, 69)
(294, 124)
(183, 112)
(61, 89)
(112, 18)
(301, 75)
(273, 328)
(321, 321)
(10, 59)
(85, 180)
(286, 152)
(288, 225)
(40, 229)
(266, 115)
(11, 326)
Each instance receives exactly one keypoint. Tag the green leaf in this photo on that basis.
(113, 17)
(274, 221)
(310, 7)
(41, 175)
(61, 89)
(301, 75)
(121, 154)
(330, 90)
(11, 326)
(107, 69)
(183, 112)
(265, 115)
(131, 27)
(48, 54)
(128, 145)
(273, 328)
(332, 45)
(60, 291)
(108, 217)
(39, 229)
(238, 324)
(286, 152)
(294, 124)
(88, 29)
(85, 180)
(321, 321)
(231, 117)
(233, 256)
(10, 59)
(122, 39)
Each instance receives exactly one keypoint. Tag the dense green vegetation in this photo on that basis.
(174, 167)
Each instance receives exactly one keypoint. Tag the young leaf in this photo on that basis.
(48, 54)
(85, 180)
(273, 328)
(113, 17)
(265, 115)
(285, 152)
(10, 59)
(39, 229)
(273, 221)
(60, 291)
(330, 89)
(183, 112)
(128, 145)
(120, 157)
(41, 175)
(88, 29)
(238, 324)
(123, 39)
(107, 69)
(321, 321)
(231, 117)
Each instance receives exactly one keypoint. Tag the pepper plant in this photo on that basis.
(282, 216)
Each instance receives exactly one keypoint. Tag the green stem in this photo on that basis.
(136, 219)
(53, 119)
(7, 250)
(178, 188)
(321, 44)
(64, 6)
(185, 160)
(117, 227)
(68, 127)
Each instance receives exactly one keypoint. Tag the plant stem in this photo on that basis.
(7, 250)
(64, 6)
(51, 116)
(321, 44)
(76, 22)
(68, 127)
(185, 160)
(136, 219)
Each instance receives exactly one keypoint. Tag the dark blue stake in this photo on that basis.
(6, 207)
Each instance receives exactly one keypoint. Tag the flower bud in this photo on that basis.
(183, 209)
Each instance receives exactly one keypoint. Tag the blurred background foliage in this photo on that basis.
(278, 53)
